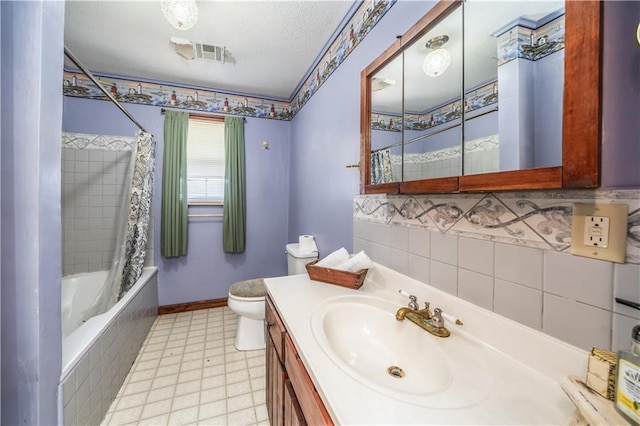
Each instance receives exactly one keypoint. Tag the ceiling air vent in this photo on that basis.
(209, 52)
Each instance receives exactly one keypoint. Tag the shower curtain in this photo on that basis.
(133, 227)
(381, 166)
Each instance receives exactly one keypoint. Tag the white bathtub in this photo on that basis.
(97, 354)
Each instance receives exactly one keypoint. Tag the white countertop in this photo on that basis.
(525, 365)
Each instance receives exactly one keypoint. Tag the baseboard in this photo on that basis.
(192, 306)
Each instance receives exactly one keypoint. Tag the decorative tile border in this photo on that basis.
(537, 219)
(144, 92)
(97, 142)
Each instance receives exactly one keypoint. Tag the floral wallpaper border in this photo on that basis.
(97, 142)
(537, 219)
(368, 14)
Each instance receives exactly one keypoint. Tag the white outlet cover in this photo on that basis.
(615, 249)
(596, 231)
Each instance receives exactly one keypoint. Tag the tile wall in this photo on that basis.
(94, 170)
(509, 253)
(90, 387)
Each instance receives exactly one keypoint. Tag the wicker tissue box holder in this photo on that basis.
(601, 372)
(353, 280)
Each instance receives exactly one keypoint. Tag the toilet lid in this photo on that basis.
(248, 288)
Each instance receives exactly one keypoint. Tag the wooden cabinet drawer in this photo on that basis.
(312, 406)
(275, 328)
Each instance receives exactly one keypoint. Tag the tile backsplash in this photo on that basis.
(509, 253)
(94, 171)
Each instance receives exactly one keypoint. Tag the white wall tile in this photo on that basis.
(399, 261)
(418, 268)
(380, 253)
(444, 248)
(419, 242)
(621, 336)
(581, 325)
(476, 255)
(521, 265)
(578, 278)
(476, 288)
(626, 285)
(443, 276)
(519, 303)
(399, 237)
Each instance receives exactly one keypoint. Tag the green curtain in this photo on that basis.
(233, 223)
(173, 231)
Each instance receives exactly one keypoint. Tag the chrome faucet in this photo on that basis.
(424, 318)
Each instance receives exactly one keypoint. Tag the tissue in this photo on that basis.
(307, 243)
(356, 263)
(336, 258)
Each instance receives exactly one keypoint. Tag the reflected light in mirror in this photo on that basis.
(436, 62)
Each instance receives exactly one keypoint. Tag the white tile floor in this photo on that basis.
(188, 372)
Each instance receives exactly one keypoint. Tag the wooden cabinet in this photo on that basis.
(291, 396)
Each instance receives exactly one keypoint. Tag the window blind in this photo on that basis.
(205, 160)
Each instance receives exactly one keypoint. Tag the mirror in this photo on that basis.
(433, 102)
(513, 95)
(516, 48)
(386, 123)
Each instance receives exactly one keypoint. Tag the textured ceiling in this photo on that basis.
(273, 43)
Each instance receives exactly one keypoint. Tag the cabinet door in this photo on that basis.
(310, 402)
(275, 327)
(292, 412)
(276, 376)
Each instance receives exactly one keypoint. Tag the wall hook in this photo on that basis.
(265, 144)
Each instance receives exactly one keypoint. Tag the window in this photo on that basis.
(205, 160)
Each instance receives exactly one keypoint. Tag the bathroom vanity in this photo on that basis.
(339, 356)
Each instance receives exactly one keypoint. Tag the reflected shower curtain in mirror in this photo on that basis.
(381, 166)
(133, 227)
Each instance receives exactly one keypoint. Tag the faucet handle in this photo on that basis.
(436, 319)
(413, 300)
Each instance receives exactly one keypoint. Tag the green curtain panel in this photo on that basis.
(173, 231)
(233, 223)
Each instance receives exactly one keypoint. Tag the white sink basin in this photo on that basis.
(361, 335)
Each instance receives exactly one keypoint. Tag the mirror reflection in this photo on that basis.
(386, 123)
(433, 102)
(513, 83)
(475, 95)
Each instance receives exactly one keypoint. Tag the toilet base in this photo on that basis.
(249, 334)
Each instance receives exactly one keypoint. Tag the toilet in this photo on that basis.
(246, 299)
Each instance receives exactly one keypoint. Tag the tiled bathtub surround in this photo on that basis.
(88, 389)
(509, 253)
(94, 168)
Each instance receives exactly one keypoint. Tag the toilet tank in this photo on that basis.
(296, 259)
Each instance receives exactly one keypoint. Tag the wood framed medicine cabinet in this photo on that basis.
(580, 116)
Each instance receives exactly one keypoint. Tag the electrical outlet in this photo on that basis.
(596, 231)
(600, 231)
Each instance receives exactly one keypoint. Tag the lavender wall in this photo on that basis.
(325, 137)
(621, 96)
(206, 272)
(32, 40)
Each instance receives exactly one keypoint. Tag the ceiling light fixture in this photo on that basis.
(437, 61)
(182, 14)
(380, 83)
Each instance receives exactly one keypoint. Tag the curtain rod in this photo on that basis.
(88, 73)
(418, 138)
(163, 110)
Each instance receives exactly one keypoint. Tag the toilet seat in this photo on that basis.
(248, 291)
